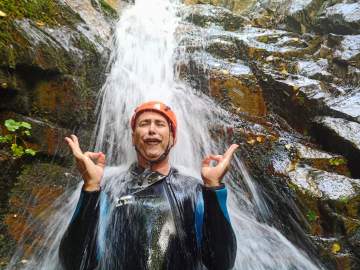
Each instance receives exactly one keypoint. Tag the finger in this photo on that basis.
(206, 161)
(75, 149)
(216, 157)
(92, 155)
(230, 151)
(75, 140)
(101, 160)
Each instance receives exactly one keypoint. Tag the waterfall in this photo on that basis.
(142, 68)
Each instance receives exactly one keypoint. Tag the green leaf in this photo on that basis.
(337, 161)
(6, 138)
(344, 199)
(17, 150)
(11, 125)
(30, 151)
(25, 125)
(311, 216)
(27, 132)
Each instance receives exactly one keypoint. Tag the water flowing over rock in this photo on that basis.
(52, 65)
(279, 77)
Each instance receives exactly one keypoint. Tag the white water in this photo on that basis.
(142, 68)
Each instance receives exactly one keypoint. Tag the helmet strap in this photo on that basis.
(161, 158)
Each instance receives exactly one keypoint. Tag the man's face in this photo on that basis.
(152, 135)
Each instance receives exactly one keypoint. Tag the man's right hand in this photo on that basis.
(90, 164)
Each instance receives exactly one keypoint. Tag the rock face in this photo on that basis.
(289, 70)
(52, 63)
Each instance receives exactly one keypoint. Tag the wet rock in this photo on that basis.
(30, 199)
(47, 138)
(288, 93)
(342, 136)
(235, 6)
(258, 44)
(207, 15)
(314, 69)
(231, 84)
(341, 18)
(324, 185)
(94, 20)
(50, 70)
(347, 105)
(318, 159)
(348, 50)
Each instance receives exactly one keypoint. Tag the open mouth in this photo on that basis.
(152, 141)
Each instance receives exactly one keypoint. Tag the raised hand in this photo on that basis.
(90, 164)
(212, 176)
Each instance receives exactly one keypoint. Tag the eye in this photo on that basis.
(161, 124)
(143, 123)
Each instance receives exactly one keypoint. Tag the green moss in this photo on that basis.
(39, 10)
(337, 161)
(108, 10)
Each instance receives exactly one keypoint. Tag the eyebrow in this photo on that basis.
(149, 120)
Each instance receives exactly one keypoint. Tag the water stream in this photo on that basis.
(143, 67)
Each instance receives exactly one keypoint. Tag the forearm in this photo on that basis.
(78, 245)
(218, 242)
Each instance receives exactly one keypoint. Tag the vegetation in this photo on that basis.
(311, 216)
(337, 161)
(15, 139)
(108, 10)
(41, 12)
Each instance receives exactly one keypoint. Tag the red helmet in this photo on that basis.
(158, 107)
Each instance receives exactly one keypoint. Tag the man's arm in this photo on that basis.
(78, 247)
(214, 234)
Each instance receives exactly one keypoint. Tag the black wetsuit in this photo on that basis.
(156, 222)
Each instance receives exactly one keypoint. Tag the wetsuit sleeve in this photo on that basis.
(214, 234)
(78, 246)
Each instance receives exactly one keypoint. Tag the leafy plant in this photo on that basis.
(337, 161)
(311, 216)
(17, 132)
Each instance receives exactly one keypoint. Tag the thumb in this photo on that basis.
(230, 152)
(101, 161)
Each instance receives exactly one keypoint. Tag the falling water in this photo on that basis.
(142, 68)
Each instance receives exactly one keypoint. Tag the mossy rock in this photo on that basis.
(37, 187)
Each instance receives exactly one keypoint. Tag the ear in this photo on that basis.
(132, 138)
(172, 140)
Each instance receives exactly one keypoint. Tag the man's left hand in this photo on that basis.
(212, 175)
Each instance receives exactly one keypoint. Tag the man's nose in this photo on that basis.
(152, 128)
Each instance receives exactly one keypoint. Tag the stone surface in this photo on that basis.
(52, 63)
(342, 136)
(324, 185)
(206, 15)
(341, 18)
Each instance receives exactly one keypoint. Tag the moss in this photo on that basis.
(108, 10)
(45, 11)
(42, 12)
(39, 10)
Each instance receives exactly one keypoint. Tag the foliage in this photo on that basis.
(337, 161)
(15, 139)
(108, 10)
(41, 10)
(311, 216)
(335, 248)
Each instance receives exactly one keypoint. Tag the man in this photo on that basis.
(159, 218)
